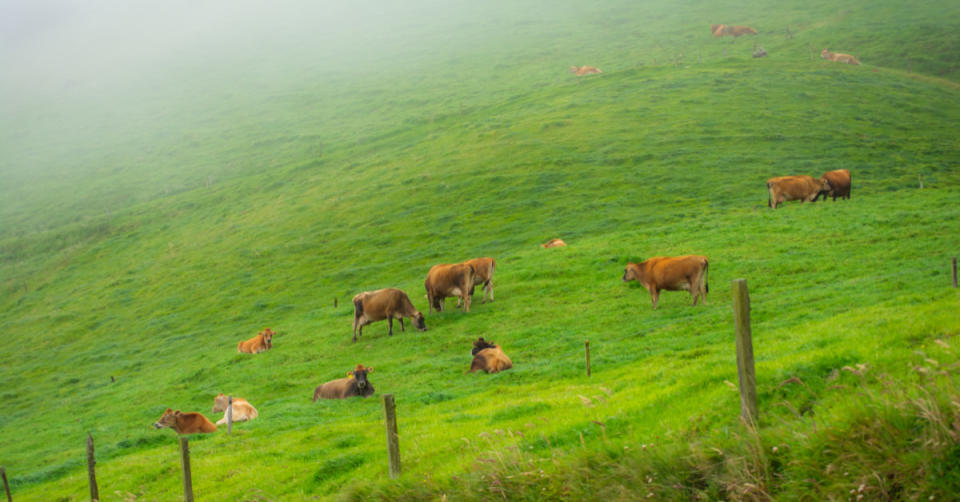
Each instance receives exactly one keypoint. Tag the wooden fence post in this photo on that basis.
(6, 486)
(393, 445)
(334, 302)
(954, 272)
(185, 461)
(745, 370)
(91, 462)
(229, 414)
(588, 357)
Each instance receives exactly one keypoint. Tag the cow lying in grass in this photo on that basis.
(838, 57)
(185, 423)
(387, 303)
(241, 409)
(803, 188)
(723, 30)
(554, 243)
(584, 70)
(488, 357)
(682, 273)
(260, 343)
(356, 384)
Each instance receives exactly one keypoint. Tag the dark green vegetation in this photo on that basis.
(144, 233)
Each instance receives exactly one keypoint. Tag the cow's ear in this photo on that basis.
(350, 373)
(177, 413)
(168, 410)
(370, 369)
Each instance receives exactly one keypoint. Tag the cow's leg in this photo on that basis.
(401, 325)
(654, 296)
(390, 323)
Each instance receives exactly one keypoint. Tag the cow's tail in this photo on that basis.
(357, 307)
(316, 394)
(706, 269)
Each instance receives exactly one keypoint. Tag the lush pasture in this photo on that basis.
(135, 253)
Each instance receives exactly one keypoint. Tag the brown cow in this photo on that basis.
(803, 188)
(449, 280)
(387, 303)
(241, 409)
(356, 384)
(488, 357)
(185, 423)
(584, 70)
(681, 273)
(554, 243)
(260, 343)
(484, 268)
(838, 183)
(722, 30)
(838, 57)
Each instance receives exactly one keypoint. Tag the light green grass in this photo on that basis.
(488, 149)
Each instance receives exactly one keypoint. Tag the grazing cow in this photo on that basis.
(356, 384)
(722, 30)
(584, 70)
(387, 303)
(484, 268)
(681, 273)
(838, 182)
(449, 280)
(838, 57)
(242, 410)
(803, 188)
(488, 357)
(185, 423)
(554, 243)
(260, 343)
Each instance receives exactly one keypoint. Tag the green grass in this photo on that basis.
(117, 259)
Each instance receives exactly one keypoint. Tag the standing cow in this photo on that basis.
(484, 268)
(803, 188)
(838, 184)
(449, 280)
(681, 273)
(387, 303)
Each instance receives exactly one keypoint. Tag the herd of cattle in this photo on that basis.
(661, 273)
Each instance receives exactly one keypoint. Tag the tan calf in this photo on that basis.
(241, 409)
(681, 273)
(488, 357)
(723, 30)
(185, 423)
(260, 343)
(554, 243)
(803, 188)
(838, 57)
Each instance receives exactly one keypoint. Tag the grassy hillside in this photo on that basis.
(146, 232)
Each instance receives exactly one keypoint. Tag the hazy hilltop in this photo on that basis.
(177, 176)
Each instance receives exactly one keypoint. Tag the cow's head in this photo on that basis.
(630, 273)
(824, 54)
(574, 69)
(268, 337)
(825, 186)
(419, 321)
(360, 375)
(168, 419)
(219, 403)
(481, 344)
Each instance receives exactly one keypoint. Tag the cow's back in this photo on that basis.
(193, 422)
(794, 187)
(483, 267)
(675, 272)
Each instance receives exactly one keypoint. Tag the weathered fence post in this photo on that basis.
(334, 302)
(745, 370)
(393, 444)
(954, 272)
(229, 414)
(185, 461)
(91, 462)
(6, 486)
(588, 357)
